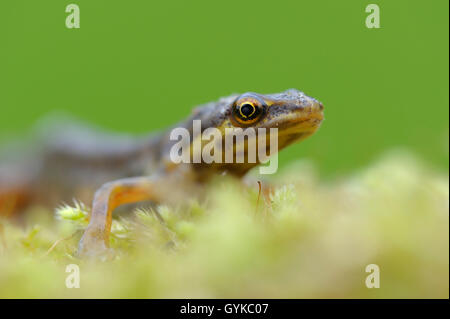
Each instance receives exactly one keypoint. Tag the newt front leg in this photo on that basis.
(95, 240)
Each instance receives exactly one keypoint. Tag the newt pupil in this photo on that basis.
(247, 110)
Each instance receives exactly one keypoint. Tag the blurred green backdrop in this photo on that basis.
(136, 66)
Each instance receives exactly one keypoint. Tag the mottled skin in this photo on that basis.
(141, 169)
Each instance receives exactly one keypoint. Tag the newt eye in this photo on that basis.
(247, 110)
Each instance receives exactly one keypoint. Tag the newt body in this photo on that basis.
(74, 163)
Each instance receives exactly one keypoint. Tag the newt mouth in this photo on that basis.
(298, 122)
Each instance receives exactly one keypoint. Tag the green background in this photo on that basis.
(136, 66)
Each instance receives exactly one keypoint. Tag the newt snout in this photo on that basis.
(320, 106)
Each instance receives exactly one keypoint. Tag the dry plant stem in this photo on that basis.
(259, 195)
(56, 243)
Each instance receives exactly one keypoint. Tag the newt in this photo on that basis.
(73, 162)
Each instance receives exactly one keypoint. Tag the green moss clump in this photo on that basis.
(308, 239)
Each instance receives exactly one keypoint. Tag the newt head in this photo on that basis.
(294, 114)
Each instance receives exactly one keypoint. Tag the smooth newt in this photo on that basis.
(73, 162)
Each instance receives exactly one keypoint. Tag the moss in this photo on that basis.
(308, 239)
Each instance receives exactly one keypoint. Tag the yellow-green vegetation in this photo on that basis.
(310, 239)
